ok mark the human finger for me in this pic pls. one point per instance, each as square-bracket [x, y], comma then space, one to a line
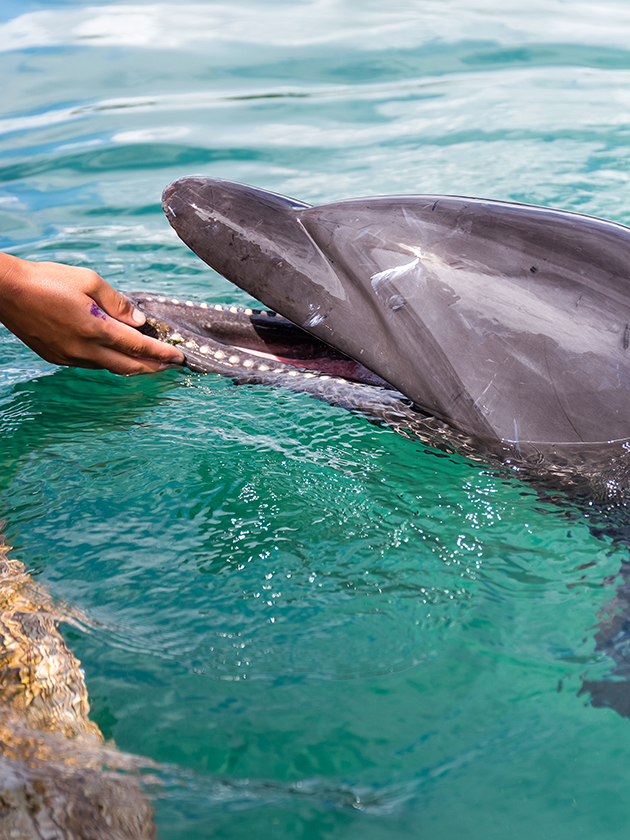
[116, 305]
[124, 365]
[130, 342]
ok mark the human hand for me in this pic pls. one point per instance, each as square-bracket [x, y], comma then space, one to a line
[71, 316]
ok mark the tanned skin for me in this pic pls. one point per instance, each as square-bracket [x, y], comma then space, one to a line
[71, 316]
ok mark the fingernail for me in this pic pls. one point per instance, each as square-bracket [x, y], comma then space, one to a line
[138, 318]
[176, 360]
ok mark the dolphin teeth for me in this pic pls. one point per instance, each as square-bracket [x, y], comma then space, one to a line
[203, 305]
[219, 354]
[218, 307]
[190, 344]
[248, 363]
[161, 300]
[204, 349]
[234, 310]
[189, 303]
[249, 311]
[263, 367]
[233, 360]
[175, 301]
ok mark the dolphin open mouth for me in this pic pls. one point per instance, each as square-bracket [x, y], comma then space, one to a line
[251, 344]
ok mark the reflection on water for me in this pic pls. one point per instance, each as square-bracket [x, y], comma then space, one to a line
[398, 26]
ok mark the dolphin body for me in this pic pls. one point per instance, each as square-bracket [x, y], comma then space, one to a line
[501, 329]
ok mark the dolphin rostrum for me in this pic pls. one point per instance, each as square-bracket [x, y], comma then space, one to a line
[505, 326]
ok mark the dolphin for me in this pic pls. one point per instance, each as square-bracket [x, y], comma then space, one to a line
[497, 329]
[500, 329]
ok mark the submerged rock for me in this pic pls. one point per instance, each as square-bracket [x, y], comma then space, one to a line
[58, 779]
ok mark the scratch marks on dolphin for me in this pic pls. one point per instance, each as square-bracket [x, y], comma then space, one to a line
[516, 438]
[388, 277]
[392, 273]
[315, 319]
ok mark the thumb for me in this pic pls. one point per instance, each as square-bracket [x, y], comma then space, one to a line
[117, 306]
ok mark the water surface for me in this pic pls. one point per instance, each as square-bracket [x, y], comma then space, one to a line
[318, 628]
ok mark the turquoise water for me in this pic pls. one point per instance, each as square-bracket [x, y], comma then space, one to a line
[319, 629]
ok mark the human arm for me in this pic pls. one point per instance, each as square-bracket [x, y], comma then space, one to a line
[71, 316]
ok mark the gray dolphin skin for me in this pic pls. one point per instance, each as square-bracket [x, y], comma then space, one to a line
[507, 324]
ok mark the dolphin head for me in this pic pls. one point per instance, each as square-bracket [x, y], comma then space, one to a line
[509, 322]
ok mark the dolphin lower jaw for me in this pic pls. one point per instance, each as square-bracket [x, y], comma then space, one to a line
[261, 347]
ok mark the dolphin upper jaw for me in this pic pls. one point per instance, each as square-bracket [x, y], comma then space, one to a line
[249, 236]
